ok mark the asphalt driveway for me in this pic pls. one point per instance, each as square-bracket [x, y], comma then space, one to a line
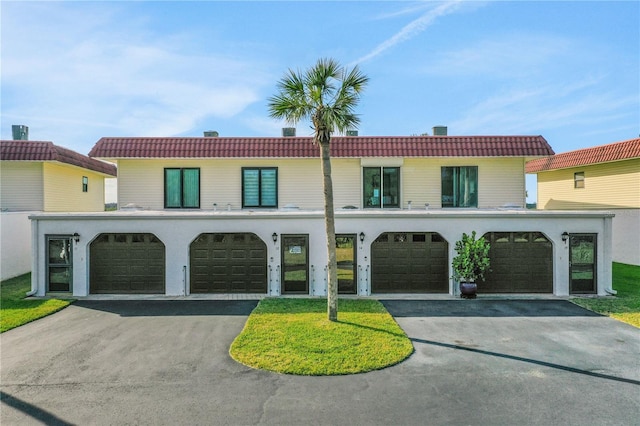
[484, 362]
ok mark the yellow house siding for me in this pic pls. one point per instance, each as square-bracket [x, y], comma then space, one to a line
[21, 185]
[63, 189]
[346, 175]
[141, 182]
[608, 185]
[500, 181]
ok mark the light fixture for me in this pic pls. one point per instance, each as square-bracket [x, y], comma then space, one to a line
[76, 237]
[362, 237]
[274, 237]
[565, 236]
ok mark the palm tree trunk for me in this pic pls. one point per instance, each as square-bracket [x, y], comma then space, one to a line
[330, 225]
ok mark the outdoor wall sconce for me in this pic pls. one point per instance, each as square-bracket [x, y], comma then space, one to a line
[565, 236]
[76, 237]
[362, 237]
[274, 237]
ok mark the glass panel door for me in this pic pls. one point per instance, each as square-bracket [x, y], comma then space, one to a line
[295, 264]
[346, 256]
[582, 264]
[59, 264]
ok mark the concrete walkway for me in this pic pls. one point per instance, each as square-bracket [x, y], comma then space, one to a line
[480, 362]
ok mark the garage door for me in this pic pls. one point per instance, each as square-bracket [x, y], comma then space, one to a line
[409, 262]
[127, 263]
[521, 262]
[228, 263]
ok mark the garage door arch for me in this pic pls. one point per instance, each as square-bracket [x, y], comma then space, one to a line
[127, 263]
[409, 262]
[228, 263]
[521, 262]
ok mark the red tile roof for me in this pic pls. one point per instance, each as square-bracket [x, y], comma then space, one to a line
[302, 147]
[47, 151]
[600, 154]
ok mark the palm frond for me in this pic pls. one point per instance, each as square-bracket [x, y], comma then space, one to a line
[327, 93]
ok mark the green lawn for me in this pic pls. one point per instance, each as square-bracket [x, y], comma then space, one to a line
[294, 336]
[16, 311]
[625, 306]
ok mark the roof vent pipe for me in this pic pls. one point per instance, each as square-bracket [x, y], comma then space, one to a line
[210, 134]
[352, 133]
[439, 130]
[288, 132]
[20, 132]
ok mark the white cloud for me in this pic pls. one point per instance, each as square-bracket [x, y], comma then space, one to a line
[413, 28]
[94, 66]
[510, 55]
[556, 105]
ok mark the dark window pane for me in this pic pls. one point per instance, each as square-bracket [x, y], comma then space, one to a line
[191, 188]
[59, 251]
[172, 187]
[269, 188]
[371, 185]
[459, 186]
[251, 187]
[391, 187]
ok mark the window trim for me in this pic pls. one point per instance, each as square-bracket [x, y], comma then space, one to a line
[182, 169]
[259, 205]
[474, 206]
[48, 265]
[578, 180]
[382, 204]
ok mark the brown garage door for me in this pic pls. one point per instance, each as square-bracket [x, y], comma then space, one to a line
[521, 262]
[228, 263]
[409, 262]
[127, 263]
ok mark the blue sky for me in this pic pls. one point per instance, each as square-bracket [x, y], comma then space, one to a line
[76, 71]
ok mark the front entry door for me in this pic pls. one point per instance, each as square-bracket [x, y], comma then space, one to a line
[582, 264]
[59, 264]
[295, 264]
[346, 257]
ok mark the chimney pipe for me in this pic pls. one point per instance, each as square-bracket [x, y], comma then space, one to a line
[352, 133]
[288, 132]
[210, 134]
[20, 132]
[439, 130]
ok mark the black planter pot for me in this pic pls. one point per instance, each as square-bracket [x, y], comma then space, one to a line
[468, 290]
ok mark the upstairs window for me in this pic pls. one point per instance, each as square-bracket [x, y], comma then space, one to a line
[381, 187]
[85, 184]
[260, 187]
[182, 188]
[460, 186]
[578, 180]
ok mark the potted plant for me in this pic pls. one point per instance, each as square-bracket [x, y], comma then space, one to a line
[470, 263]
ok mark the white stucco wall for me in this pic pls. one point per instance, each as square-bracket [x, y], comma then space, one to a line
[626, 236]
[15, 244]
[178, 229]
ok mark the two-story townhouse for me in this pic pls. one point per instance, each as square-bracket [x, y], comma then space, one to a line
[244, 215]
[604, 177]
[38, 176]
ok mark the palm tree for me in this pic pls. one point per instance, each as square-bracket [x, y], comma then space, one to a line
[327, 94]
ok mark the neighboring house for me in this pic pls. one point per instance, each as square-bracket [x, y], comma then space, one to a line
[605, 177]
[245, 215]
[39, 176]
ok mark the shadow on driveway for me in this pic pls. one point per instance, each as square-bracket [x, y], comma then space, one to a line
[485, 308]
[161, 308]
